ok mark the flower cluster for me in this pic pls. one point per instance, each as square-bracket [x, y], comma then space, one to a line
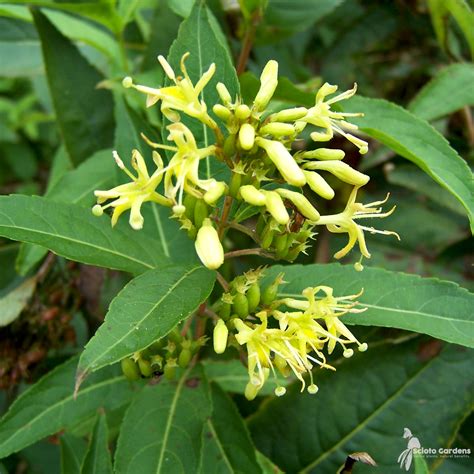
[265, 173]
[287, 335]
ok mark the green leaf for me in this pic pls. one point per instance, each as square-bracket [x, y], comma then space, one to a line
[84, 113]
[197, 35]
[420, 143]
[12, 304]
[461, 12]
[297, 14]
[74, 233]
[227, 447]
[49, 406]
[365, 406]
[98, 459]
[413, 178]
[439, 308]
[146, 309]
[162, 429]
[19, 49]
[267, 466]
[76, 187]
[73, 450]
[421, 467]
[232, 376]
[101, 11]
[450, 90]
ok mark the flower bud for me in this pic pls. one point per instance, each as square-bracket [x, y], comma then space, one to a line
[318, 184]
[289, 115]
[303, 205]
[220, 336]
[277, 129]
[215, 192]
[252, 195]
[253, 297]
[268, 84]
[242, 112]
[283, 160]
[276, 207]
[341, 170]
[222, 112]
[324, 154]
[184, 358]
[208, 246]
[223, 92]
[246, 136]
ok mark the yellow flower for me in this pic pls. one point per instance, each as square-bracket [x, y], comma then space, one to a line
[132, 195]
[322, 116]
[184, 96]
[182, 172]
[208, 246]
[345, 222]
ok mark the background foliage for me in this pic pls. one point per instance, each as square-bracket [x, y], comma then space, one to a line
[62, 111]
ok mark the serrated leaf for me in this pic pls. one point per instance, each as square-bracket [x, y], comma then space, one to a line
[197, 36]
[73, 232]
[76, 187]
[49, 406]
[450, 90]
[12, 304]
[365, 406]
[73, 450]
[146, 309]
[162, 429]
[439, 308]
[227, 447]
[97, 459]
[232, 376]
[420, 143]
[84, 113]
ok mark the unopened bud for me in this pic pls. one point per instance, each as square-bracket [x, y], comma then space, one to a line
[289, 115]
[277, 129]
[318, 184]
[302, 203]
[222, 112]
[252, 195]
[283, 160]
[324, 154]
[208, 246]
[223, 92]
[242, 112]
[341, 170]
[268, 84]
[220, 337]
[212, 195]
[246, 136]
[276, 207]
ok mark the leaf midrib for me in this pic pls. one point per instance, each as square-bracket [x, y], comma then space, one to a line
[81, 242]
[219, 445]
[62, 402]
[140, 322]
[171, 414]
[364, 422]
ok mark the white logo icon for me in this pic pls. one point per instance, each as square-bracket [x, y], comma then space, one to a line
[406, 457]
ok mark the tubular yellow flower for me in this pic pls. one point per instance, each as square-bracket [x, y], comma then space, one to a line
[283, 160]
[345, 222]
[220, 337]
[276, 207]
[341, 170]
[302, 204]
[318, 184]
[252, 195]
[322, 116]
[246, 136]
[208, 246]
[132, 195]
[184, 96]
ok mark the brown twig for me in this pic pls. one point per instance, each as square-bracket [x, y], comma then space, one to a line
[240, 253]
[225, 215]
[223, 282]
[247, 43]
